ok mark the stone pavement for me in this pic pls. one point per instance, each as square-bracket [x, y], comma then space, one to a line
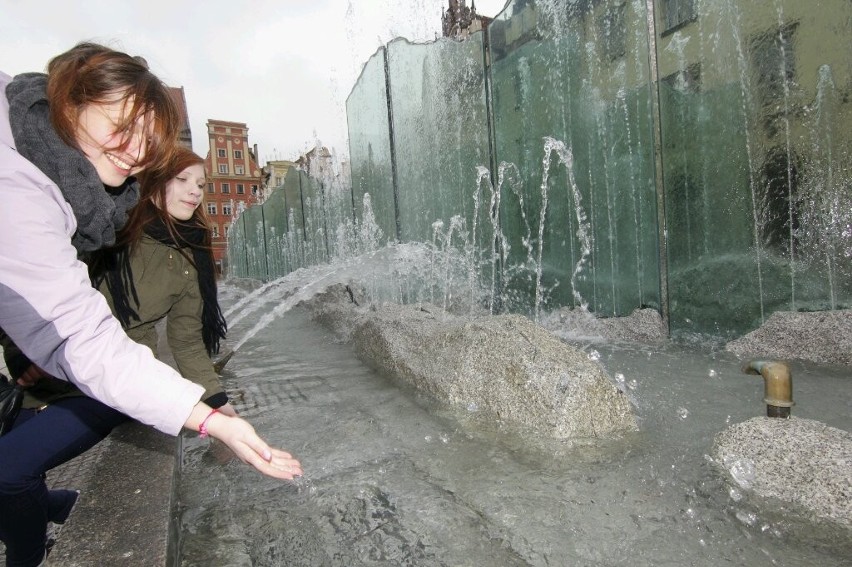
[125, 506]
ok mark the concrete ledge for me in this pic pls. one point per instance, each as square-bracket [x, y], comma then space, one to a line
[123, 517]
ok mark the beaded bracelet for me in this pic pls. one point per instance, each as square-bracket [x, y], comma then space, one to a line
[202, 429]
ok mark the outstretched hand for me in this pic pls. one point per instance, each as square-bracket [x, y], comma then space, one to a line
[241, 438]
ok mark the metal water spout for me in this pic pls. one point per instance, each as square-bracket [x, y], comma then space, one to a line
[778, 385]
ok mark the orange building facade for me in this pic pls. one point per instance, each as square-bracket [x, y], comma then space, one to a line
[233, 180]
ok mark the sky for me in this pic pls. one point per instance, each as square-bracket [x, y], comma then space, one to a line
[283, 67]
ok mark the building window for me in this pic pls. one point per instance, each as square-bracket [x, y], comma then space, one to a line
[211, 208]
[238, 154]
[677, 13]
[254, 190]
[773, 58]
[227, 230]
[221, 153]
[226, 209]
[223, 168]
[278, 181]
[226, 188]
[612, 29]
[238, 169]
[214, 229]
[241, 189]
[686, 81]
[211, 188]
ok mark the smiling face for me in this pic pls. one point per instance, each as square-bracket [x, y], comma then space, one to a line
[114, 152]
[184, 192]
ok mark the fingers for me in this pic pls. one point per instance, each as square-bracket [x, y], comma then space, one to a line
[273, 462]
[240, 436]
[277, 466]
[31, 376]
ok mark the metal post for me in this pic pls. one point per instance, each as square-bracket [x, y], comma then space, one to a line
[394, 177]
[662, 232]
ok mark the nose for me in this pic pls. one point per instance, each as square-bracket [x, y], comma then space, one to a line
[136, 146]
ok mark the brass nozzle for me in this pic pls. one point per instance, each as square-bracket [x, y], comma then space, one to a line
[778, 385]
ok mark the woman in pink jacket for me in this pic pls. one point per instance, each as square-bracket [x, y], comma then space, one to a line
[70, 143]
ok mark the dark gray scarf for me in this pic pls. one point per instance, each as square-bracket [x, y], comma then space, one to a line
[100, 213]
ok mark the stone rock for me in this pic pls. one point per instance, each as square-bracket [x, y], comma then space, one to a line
[505, 366]
[821, 336]
[643, 325]
[799, 461]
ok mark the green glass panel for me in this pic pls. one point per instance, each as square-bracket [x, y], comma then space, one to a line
[369, 145]
[275, 217]
[576, 74]
[440, 132]
[755, 153]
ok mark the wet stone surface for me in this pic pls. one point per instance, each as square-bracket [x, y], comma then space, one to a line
[823, 337]
[504, 366]
[802, 462]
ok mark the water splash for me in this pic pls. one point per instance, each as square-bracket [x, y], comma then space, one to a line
[566, 157]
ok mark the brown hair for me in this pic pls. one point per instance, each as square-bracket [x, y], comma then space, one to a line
[90, 73]
[152, 200]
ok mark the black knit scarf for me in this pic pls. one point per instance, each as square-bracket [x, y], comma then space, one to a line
[116, 271]
[99, 213]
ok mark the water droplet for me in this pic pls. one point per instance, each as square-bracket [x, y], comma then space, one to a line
[619, 377]
[632, 384]
[735, 494]
[683, 413]
[742, 470]
[594, 355]
[445, 438]
[428, 438]
[748, 518]
[472, 407]
[712, 373]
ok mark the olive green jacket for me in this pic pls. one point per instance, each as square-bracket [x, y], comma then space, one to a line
[167, 286]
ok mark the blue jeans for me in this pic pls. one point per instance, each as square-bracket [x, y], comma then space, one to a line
[38, 442]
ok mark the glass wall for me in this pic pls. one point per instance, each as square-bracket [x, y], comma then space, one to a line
[370, 144]
[755, 152]
[572, 95]
[588, 153]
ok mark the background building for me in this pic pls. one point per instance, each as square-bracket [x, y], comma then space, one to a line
[459, 21]
[274, 173]
[185, 136]
[234, 179]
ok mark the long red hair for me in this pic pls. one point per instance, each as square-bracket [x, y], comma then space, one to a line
[90, 73]
[152, 200]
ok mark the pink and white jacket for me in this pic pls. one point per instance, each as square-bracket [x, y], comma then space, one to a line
[50, 310]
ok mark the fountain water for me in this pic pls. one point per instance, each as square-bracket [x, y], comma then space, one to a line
[395, 478]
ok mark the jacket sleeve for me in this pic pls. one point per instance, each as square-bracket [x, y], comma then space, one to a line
[16, 361]
[50, 310]
[183, 329]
